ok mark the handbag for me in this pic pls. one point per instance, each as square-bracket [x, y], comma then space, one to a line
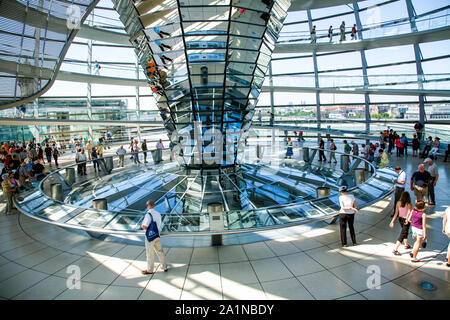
[152, 231]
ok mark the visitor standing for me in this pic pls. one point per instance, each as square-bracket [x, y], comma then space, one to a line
[121, 153]
[330, 34]
[354, 35]
[94, 157]
[321, 150]
[332, 151]
[399, 184]
[415, 145]
[289, 151]
[342, 31]
[136, 153]
[144, 149]
[355, 149]
[56, 154]
[405, 145]
[420, 180]
[347, 147]
[80, 159]
[347, 215]
[48, 154]
[152, 225]
[433, 170]
[419, 129]
[313, 35]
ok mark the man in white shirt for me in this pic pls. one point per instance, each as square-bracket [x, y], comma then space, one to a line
[399, 186]
[121, 152]
[81, 157]
[159, 147]
[155, 245]
[347, 215]
[159, 144]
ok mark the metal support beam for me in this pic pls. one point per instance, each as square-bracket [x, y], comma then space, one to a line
[316, 73]
[138, 105]
[89, 89]
[364, 68]
[418, 57]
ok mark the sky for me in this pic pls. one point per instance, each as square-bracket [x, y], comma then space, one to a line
[353, 59]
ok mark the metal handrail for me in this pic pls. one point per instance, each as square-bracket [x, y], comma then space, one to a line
[196, 233]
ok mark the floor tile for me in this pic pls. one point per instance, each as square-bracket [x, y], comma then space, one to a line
[205, 255]
[129, 252]
[132, 276]
[389, 291]
[166, 285]
[238, 291]
[87, 291]
[56, 263]
[20, 282]
[202, 282]
[258, 250]
[300, 264]
[355, 275]
[107, 271]
[120, 293]
[306, 243]
[327, 257]
[270, 269]
[10, 269]
[179, 255]
[390, 268]
[231, 254]
[46, 289]
[240, 272]
[157, 289]
[38, 257]
[325, 286]
[86, 265]
[412, 282]
[437, 268]
[282, 248]
[353, 297]
[287, 289]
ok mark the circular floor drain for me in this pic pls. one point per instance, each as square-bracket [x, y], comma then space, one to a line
[428, 286]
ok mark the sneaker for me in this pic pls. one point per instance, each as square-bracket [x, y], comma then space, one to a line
[415, 260]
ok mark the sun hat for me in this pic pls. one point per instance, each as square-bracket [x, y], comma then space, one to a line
[343, 189]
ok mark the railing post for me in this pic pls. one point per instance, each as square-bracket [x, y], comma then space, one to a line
[56, 191]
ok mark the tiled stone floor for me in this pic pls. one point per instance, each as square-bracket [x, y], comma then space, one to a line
[304, 262]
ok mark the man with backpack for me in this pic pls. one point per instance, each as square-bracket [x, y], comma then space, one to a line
[152, 226]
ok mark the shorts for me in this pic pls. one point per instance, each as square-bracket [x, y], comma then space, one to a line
[417, 232]
[420, 192]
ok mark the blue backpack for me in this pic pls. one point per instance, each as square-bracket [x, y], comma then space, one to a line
[152, 231]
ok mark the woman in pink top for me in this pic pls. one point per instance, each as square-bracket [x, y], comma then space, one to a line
[402, 208]
[418, 220]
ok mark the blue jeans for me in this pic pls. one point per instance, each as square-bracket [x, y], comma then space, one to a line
[136, 157]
